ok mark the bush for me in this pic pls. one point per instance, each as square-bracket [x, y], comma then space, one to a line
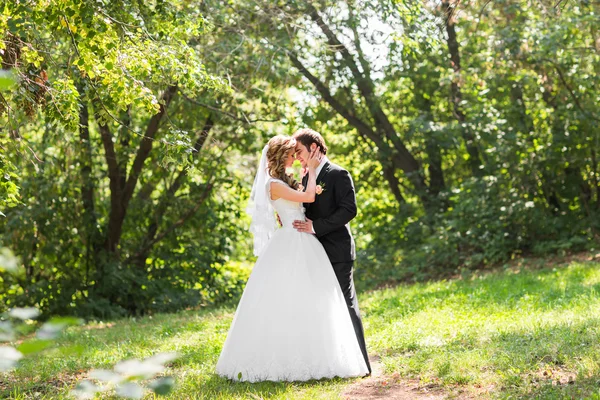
[488, 222]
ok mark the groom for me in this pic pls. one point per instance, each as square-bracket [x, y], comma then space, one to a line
[328, 218]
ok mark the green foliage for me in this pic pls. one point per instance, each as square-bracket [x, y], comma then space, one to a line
[13, 329]
[128, 378]
[489, 222]
[186, 269]
[88, 66]
[8, 188]
[501, 152]
[123, 49]
[528, 100]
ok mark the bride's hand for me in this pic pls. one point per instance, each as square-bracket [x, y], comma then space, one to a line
[314, 159]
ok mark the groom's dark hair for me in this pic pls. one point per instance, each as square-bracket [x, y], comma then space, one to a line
[307, 136]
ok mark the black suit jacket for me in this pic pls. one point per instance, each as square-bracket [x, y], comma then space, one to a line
[331, 212]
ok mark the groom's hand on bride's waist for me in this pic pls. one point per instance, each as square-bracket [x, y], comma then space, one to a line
[304, 226]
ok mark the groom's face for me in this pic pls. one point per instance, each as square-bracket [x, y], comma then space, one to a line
[302, 152]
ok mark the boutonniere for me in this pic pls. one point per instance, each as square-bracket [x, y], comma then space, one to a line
[320, 188]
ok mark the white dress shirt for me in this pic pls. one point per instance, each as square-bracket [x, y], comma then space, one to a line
[320, 167]
[318, 171]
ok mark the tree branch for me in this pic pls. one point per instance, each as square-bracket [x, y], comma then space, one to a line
[455, 92]
[335, 104]
[169, 194]
[362, 128]
[116, 206]
[124, 145]
[207, 190]
[110, 155]
[570, 90]
[361, 55]
[245, 119]
[366, 87]
[146, 145]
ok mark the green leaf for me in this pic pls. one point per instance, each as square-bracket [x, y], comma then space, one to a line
[7, 80]
[130, 390]
[66, 321]
[162, 386]
[8, 261]
[24, 313]
[34, 346]
[53, 328]
[72, 350]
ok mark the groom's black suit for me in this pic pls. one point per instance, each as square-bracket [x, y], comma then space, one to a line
[331, 212]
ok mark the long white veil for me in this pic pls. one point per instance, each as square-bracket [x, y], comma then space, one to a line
[263, 223]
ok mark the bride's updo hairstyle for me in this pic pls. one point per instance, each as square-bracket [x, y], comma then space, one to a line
[280, 148]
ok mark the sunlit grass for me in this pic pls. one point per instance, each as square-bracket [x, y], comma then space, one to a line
[196, 335]
[522, 334]
[517, 333]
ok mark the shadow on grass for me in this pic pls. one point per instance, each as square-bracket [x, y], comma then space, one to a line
[552, 390]
[548, 361]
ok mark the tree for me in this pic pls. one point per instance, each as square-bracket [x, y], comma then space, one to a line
[89, 72]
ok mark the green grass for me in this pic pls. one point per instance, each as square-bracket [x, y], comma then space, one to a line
[515, 333]
[503, 334]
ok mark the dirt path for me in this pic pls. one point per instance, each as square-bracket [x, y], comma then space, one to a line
[380, 386]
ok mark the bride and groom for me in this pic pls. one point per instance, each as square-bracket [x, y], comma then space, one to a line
[298, 318]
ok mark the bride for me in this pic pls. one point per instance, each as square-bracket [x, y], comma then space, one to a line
[292, 322]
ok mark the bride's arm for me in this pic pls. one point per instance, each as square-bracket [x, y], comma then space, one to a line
[282, 191]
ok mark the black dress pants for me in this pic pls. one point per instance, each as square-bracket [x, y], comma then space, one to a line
[344, 272]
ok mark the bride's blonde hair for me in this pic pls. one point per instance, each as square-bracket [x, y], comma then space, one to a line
[280, 148]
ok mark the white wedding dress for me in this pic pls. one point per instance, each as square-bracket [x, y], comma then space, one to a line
[292, 322]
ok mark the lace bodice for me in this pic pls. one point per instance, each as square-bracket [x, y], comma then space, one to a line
[288, 211]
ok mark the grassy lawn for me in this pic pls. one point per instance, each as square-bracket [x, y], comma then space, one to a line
[522, 332]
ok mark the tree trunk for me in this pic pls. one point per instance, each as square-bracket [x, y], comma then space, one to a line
[124, 141]
[386, 155]
[394, 183]
[383, 127]
[87, 186]
[121, 195]
[436, 173]
[432, 148]
[456, 93]
[595, 182]
[117, 213]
